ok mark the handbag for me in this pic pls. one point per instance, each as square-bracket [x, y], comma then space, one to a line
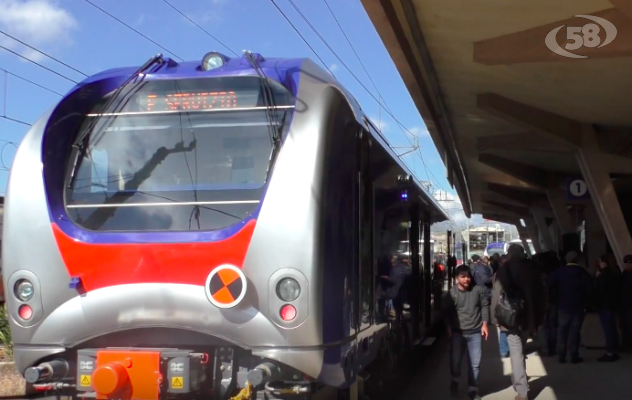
[510, 307]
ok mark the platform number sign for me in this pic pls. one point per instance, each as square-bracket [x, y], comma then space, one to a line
[577, 189]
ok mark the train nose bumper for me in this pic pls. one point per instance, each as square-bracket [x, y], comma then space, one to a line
[120, 374]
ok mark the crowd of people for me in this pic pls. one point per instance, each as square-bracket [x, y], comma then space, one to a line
[540, 297]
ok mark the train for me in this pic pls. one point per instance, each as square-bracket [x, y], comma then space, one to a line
[206, 228]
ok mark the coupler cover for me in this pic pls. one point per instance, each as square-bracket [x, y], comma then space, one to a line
[138, 373]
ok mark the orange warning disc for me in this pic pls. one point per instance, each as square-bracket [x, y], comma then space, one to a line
[226, 286]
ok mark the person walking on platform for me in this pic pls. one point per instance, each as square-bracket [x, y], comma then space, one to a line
[503, 345]
[607, 300]
[626, 305]
[573, 286]
[518, 282]
[466, 313]
[483, 276]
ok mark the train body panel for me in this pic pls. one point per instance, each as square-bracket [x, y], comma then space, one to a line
[100, 281]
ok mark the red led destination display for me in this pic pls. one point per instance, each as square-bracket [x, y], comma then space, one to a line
[190, 101]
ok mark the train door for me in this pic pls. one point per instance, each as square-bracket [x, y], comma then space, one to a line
[366, 212]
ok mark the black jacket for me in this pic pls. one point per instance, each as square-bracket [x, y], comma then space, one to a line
[607, 290]
[526, 276]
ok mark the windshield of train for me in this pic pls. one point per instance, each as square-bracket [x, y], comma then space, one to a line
[496, 247]
[173, 155]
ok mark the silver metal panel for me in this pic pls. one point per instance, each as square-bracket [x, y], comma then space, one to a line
[309, 362]
[124, 307]
[287, 231]
[28, 241]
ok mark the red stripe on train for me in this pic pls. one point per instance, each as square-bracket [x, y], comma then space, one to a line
[104, 265]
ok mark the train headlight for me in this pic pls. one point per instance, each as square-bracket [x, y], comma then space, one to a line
[211, 61]
[288, 289]
[24, 290]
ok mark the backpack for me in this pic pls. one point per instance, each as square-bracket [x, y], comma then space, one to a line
[510, 308]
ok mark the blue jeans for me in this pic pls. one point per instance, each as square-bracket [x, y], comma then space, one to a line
[503, 345]
[569, 328]
[626, 329]
[548, 331]
[473, 343]
[609, 324]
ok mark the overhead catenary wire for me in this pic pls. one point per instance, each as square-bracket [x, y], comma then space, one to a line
[43, 53]
[385, 104]
[339, 59]
[30, 81]
[302, 37]
[3, 164]
[38, 64]
[197, 25]
[19, 121]
[134, 30]
[387, 109]
[306, 20]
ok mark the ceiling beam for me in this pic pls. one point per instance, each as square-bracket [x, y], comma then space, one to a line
[487, 197]
[525, 197]
[554, 126]
[528, 46]
[533, 142]
[625, 6]
[494, 209]
[508, 180]
[533, 175]
[501, 218]
[523, 212]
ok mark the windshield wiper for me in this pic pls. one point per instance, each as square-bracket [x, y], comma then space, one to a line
[157, 58]
[80, 141]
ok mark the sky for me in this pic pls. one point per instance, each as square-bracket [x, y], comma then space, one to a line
[87, 39]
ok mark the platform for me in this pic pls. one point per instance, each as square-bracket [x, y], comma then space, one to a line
[548, 379]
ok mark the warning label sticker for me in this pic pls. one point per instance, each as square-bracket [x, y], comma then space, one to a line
[176, 382]
[85, 380]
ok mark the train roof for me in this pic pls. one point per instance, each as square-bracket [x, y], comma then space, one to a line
[281, 70]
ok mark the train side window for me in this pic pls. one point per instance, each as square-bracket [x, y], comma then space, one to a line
[366, 216]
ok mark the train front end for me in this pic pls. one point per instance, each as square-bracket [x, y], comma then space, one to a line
[140, 258]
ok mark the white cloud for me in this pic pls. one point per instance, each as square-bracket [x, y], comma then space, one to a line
[40, 23]
[333, 67]
[380, 124]
[418, 131]
[141, 20]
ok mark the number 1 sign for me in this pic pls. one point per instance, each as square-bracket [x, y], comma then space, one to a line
[576, 189]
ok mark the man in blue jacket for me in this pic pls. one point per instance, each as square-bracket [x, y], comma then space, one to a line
[573, 286]
[483, 275]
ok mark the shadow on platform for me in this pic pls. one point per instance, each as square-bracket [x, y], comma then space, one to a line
[548, 380]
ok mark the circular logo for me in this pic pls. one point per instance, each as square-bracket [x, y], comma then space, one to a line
[226, 286]
[578, 188]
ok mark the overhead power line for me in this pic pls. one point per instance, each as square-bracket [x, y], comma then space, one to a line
[339, 59]
[30, 81]
[387, 109]
[38, 64]
[19, 121]
[44, 54]
[134, 30]
[202, 29]
[302, 37]
[415, 146]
